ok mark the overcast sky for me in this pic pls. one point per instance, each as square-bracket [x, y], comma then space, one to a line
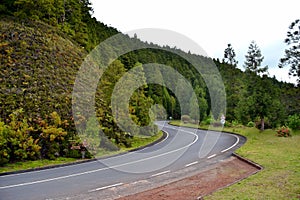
[212, 24]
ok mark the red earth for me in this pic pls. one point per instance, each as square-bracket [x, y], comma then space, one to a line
[217, 176]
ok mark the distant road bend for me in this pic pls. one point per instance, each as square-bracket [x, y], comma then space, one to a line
[182, 148]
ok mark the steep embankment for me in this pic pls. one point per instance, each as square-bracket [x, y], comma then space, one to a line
[38, 66]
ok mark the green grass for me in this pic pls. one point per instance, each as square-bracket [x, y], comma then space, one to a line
[143, 141]
[34, 164]
[136, 143]
[280, 157]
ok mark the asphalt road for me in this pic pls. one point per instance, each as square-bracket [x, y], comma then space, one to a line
[183, 147]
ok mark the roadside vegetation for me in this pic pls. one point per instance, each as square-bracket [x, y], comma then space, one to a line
[137, 142]
[43, 44]
[278, 155]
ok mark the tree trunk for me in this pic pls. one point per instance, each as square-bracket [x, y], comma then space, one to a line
[262, 123]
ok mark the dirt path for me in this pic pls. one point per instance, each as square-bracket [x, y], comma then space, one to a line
[217, 176]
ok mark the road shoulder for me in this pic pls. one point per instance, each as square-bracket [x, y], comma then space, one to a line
[216, 176]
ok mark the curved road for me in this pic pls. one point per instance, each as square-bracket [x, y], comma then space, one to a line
[182, 148]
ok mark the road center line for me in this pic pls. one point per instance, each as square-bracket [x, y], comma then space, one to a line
[209, 157]
[106, 187]
[160, 173]
[190, 164]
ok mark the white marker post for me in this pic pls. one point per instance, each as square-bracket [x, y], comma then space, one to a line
[222, 120]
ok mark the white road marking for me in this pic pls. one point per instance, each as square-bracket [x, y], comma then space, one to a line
[209, 157]
[161, 173]
[190, 164]
[106, 187]
[163, 139]
[237, 141]
[18, 174]
[101, 169]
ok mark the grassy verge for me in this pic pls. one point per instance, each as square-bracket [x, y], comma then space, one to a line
[280, 157]
[34, 164]
[136, 143]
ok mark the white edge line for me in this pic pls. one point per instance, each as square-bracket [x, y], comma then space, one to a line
[106, 187]
[237, 141]
[164, 138]
[211, 156]
[190, 164]
[97, 160]
[160, 173]
[101, 169]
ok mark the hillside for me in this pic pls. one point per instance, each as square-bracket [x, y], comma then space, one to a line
[41, 55]
[38, 69]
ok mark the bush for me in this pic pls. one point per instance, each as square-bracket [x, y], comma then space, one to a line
[185, 118]
[51, 141]
[149, 130]
[105, 143]
[4, 150]
[284, 132]
[74, 153]
[294, 121]
[235, 122]
[217, 124]
[19, 140]
[227, 124]
[207, 121]
[251, 124]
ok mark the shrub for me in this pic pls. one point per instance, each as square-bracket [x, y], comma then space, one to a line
[294, 121]
[185, 118]
[227, 124]
[123, 139]
[284, 132]
[22, 145]
[217, 124]
[207, 121]
[77, 147]
[251, 124]
[51, 140]
[234, 123]
[4, 150]
[74, 153]
[149, 130]
[105, 143]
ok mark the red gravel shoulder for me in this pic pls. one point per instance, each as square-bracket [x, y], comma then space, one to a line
[217, 176]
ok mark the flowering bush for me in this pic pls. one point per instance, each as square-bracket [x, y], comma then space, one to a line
[284, 132]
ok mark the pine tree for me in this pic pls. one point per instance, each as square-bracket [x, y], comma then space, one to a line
[254, 59]
[229, 56]
[292, 54]
[256, 101]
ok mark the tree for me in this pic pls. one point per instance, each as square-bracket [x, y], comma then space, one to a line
[194, 110]
[229, 56]
[254, 60]
[292, 53]
[256, 101]
[260, 100]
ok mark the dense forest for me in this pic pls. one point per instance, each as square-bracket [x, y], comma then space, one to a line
[44, 43]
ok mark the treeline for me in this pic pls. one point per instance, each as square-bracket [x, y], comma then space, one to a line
[44, 43]
[251, 97]
[72, 17]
